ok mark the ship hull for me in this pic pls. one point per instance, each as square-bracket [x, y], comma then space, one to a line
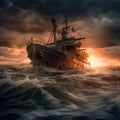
[41, 55]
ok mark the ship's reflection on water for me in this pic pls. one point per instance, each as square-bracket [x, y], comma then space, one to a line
[49, 94]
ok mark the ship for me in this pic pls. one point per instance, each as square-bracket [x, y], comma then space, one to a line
[63, 52]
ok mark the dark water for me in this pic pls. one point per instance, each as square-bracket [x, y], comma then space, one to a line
[59, 95]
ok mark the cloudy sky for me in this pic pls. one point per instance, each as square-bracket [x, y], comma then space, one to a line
[97, 20]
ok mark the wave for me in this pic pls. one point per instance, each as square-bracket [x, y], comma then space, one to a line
[49, 94]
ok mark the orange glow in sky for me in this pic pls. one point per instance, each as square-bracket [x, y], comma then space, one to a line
[14, 57]
[95, 61]
[99, 59]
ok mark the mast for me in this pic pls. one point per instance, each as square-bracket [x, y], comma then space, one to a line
[64, 32]
[54, 30]
[66, 24]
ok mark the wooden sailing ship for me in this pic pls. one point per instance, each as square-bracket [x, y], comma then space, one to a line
[63, 53]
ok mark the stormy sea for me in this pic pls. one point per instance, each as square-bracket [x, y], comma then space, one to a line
[49, 94]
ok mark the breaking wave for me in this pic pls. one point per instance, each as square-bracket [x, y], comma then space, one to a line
[48, 94]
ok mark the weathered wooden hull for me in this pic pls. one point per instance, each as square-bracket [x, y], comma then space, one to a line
[45, 56]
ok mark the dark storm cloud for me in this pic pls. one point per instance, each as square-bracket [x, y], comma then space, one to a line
[113, 51]
[11, 39]
[106, 36]
[111, 35]
[72, 8]
[79, 8]
[33, 16]
[22, 21]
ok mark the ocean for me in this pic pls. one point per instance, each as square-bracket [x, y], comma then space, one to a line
[49, 94]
